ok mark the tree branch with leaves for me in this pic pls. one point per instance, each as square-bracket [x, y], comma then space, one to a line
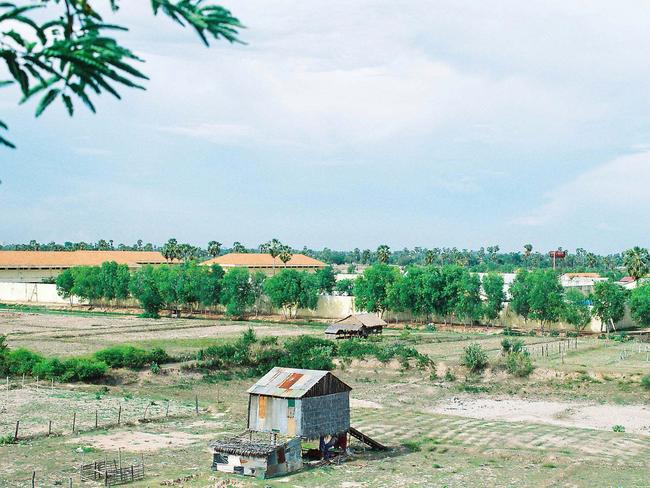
[71, 56]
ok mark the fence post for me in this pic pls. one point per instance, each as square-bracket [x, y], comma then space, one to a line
[196, 404]
[74, 421]
[119, 415]
[49, 428]
[33, 479]
[16, 432]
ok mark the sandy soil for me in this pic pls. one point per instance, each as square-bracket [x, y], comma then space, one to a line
[357, 403]
[141, 441]
[635, 418]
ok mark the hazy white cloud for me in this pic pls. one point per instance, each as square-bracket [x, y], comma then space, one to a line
[619, 186]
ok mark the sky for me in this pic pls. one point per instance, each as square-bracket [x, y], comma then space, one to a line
[353, 124]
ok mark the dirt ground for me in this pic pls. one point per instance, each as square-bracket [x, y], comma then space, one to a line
[450, 429]
[635, 418]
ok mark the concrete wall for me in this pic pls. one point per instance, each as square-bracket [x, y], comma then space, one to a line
[27, 275]
[35, 293]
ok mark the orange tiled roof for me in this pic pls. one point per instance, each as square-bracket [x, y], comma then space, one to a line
[68, 259]
[263, 260]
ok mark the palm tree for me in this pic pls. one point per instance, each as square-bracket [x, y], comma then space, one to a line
[528, 249]
[214, 248]
[637, 262]
[170, 249]
[383, 253]
[285, 255]
[238, 247]
[429, 257]
[274, 248]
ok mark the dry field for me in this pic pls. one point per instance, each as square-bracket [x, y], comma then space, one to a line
[551, 429]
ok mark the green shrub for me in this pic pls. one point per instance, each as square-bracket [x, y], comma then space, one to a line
[474, 358]
[618, 428]
[50, 369]
[645, 382]
[22, 361]
[155, 369]
[131, 357]
[519, 364]
[449, 375]
[356, 348]
[81, 369]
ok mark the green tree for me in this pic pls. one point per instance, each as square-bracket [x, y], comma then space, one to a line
[170, 250]
[494, 295]
[238, 247]
[236, 292]
[87, 283]
[344, 287]
[640, 305]
[372, 287]
[326, 280]
[144, 288]
[210, 287]
[383, 253]
[274, 247]
[545, 296]
[637, 262]
[65, 284]
[257, 287]
[214, 248]
[290, 290]
[468, 305]
[285, 255]
[608, 303]
[61, 49]
[520, 294]
[576, 310]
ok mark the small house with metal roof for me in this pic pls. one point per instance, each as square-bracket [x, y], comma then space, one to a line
[357, 325]
[299, 402]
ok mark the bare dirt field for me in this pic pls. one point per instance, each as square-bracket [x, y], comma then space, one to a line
[635, 418]
[553, 428]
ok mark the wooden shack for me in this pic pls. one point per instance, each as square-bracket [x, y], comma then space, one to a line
[357, 325]
[259, 459]
[299, 402]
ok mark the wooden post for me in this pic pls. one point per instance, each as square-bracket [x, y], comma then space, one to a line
[33, 479]
[196, 404]
[49, 428]
[74, 421]
[119, 415]
[16, 432]
[69, 482]
[119, 454]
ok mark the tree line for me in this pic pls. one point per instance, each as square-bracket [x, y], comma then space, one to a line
[485, 259]
[453, 293]
[189, 286]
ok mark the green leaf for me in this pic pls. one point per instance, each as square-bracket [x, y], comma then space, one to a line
[46, 100]
[67, 101]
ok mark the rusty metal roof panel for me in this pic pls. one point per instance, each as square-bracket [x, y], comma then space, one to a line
[287, 382]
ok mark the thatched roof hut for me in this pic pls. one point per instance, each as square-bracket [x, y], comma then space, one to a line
[357, 325]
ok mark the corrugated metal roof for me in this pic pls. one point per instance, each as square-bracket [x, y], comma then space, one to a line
[287, 382]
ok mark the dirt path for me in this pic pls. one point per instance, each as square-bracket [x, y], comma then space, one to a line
[635, 418]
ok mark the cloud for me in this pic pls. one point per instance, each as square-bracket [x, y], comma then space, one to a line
[618, 187]
[216, 133]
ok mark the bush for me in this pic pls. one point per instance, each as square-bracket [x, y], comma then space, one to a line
[50, 369]
[449, 375]
[131, 357]
[474, 358]
[618, 428]
[80, 369]
[356, 348]
[519, 364]
[645, 382]
[22, 361]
